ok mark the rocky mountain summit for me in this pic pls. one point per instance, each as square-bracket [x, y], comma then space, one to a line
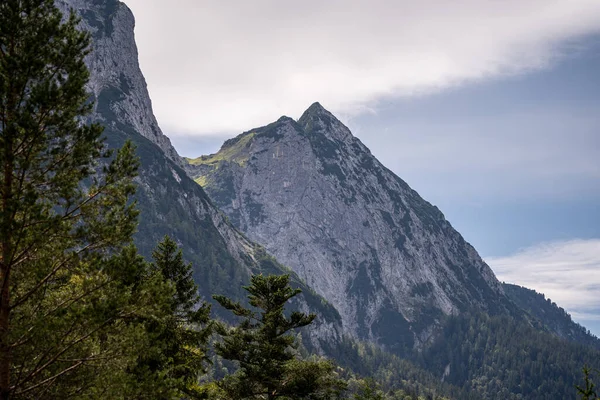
[317, 199]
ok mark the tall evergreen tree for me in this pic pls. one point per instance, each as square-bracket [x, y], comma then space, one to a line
[168, 261]
[264, 347]
[176, 354]
[70, 283]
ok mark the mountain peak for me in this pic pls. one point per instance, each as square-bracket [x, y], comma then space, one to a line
[314, 111]
[316, 119]
[284, 118]
[316, 108]
[359, 235]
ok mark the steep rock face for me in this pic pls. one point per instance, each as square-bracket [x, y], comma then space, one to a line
[170, 202]
[318, 200]
[116, 77]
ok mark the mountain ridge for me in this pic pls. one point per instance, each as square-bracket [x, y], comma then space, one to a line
[552, 318]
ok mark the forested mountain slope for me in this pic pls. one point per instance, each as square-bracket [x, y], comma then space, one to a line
[552, 317]
[500, 358]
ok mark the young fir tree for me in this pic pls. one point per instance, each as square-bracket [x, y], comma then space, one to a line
[589, 391]
[71, 285]
[176, 354]
[264, 347]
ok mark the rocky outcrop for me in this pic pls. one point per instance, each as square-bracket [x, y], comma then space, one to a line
[115, 75]
[317, 199]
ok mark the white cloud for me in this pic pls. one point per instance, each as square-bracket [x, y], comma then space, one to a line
[216, 66]
[568, 272]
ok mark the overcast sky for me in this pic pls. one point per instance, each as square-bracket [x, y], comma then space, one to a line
[489, 109]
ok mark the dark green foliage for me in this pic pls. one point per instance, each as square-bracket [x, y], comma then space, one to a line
[269, 131]
[504, 358]
[268, 265]
[67, 271]
[313, 124]
[176, 354]
[79, 307]
[231, 142]
[368, 390]
[334, 169]
[363, 287]
[394, 330]
[553, 318]
[225, 176]
[396, 377]
[178, 207]
[333, 148]
[265, 348]
[327, 151]
[164, 210]
[168, 260]
[312, 378]
[272, 130]
[169, 207]
[588, 391]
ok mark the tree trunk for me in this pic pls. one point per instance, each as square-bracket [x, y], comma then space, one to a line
[5, 359]
[5, 263]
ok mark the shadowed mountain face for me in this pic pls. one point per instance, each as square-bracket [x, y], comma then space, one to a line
[169, 200]
[317, 199]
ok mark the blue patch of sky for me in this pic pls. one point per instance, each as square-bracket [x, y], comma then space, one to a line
[558, 104]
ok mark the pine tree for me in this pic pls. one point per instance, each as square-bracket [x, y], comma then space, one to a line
[176, 354]
[168, 260]
[70, 282]
[264, 347]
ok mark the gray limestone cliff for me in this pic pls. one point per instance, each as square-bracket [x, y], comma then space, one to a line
[317, 199]
[115, 74]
